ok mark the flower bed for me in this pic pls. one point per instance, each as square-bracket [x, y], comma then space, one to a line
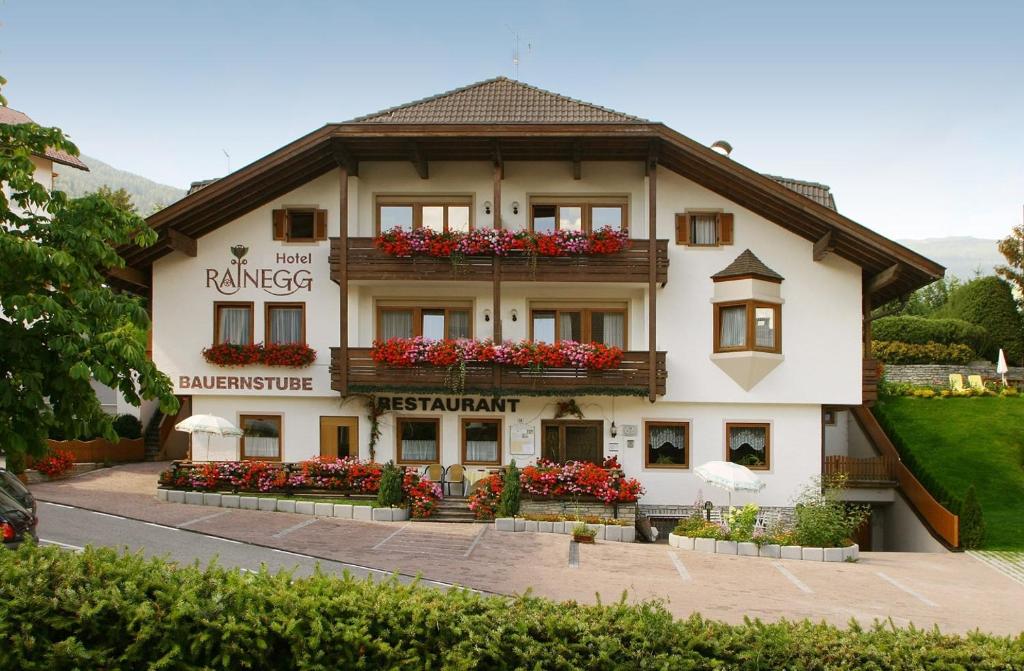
[572, 479]
[772, 550]
[483, 501]
[408, 352]
[57, 462]
[490, 242]
[291, 355]
[613, 532]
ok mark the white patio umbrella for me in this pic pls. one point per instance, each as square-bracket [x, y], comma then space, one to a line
[729, 476]
[211, 425]
[1001, 367]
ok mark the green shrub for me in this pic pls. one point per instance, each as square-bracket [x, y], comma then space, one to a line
[989, 302]
[741, 522]
[390, 492]
[15, 462]
[972, 525]
[99, 610]
[822, 520]
[128, 426]
[508, 502]
[911, 353]
[923, 330]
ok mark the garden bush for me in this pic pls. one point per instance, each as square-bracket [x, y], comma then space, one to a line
[390, 492]
[972, 525]
[128, 426]
[923, 330]
[912, 353]
[508, 500]
[822, 520]
[989, 302]
[101, 610]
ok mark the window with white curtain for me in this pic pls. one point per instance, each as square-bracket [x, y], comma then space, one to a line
[233, 323]
[750, 325]
[261, 439]
[418, 440]
[732, 333]
[581, 325]
[748, 444]
[586, 217]
[704, 229]
[433, 323]
[481, 439]
[286, 323]
[667, 445]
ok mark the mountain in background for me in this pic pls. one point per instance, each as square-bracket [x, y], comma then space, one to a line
[147, 195]
[963, 256]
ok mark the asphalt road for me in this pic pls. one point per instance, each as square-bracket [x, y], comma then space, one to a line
[74, 528]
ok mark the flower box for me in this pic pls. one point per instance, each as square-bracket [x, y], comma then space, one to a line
[289, 355]
[491, 242]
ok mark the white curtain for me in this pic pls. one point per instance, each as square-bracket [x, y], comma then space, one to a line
[673, 435]
[262, 447]
[704, 229]
[614, 329]
[568, 326]
[458, 324]
[755, 437]
[419, 450]
[396, 324]
[235, 325]
[733, 327]
[285, 325]
[481, 450]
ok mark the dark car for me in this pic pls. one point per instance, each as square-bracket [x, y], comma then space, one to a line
[12, 486]
[16, 523]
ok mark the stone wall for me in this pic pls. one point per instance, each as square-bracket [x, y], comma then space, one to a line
[620, 511]
[768, 513]
[938, 374]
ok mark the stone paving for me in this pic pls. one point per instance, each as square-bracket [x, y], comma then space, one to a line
[953, 591]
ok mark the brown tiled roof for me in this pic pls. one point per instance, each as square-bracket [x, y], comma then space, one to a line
[819, 193]
[747, 264]
[199, 185]
[13, 117]
[498, 100]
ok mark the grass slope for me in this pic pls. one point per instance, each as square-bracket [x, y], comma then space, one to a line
[957, 442]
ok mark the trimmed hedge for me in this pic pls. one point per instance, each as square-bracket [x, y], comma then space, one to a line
[923, 330]
[60, 610]
[989, 302]
[911, 353]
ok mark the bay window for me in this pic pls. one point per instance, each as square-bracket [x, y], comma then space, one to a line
[748, 325]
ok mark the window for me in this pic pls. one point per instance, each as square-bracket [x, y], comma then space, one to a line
[418, 440]
[548, 217]
[434, 323]
[748, 444]
[261, 439]
[572, 441]
[704, 229]
[481, 441]
[444, 215]
[748, 325]
[300, 224]
[285, 323]
[667, 445]
[607, 326]
[232, 323]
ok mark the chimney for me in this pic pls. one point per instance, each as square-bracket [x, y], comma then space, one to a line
[722, 147]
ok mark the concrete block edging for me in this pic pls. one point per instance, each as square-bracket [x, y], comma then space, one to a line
[247, 501]
[612, 533]
[795, 552]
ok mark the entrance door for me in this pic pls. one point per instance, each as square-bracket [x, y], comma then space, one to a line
[339, 437]
[572, 441]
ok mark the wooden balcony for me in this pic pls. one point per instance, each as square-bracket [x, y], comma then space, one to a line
[871, 379]
[863, 472]
[366, 262]
[629, 379]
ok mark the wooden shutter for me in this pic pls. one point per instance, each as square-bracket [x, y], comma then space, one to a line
[725, 228]
[682, 229]
[280, 219]
[321, 225]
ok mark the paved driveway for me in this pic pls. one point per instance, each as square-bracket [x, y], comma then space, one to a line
[957, 592]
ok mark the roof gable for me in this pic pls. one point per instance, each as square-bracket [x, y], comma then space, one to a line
[13, 117]
[819, 193]
[498, 100]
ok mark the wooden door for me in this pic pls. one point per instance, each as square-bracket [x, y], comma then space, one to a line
[572, 441]
[339, 437]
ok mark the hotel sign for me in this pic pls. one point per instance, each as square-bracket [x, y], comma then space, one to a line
[268, 383]
[450, 404]
[283, 280]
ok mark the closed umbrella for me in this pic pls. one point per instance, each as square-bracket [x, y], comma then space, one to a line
[729, 476]
[210, 425]
[1001, 367]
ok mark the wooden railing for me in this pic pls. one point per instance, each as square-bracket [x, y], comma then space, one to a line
[629, 378]
[943, 523]
[366, 262]
[863, 472]
[872, 376]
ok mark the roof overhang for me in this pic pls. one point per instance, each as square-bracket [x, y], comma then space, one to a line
[349, 144]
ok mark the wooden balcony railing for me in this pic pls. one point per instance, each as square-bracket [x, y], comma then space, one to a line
[366, 262]
[863, 472]
[630, 378]
[872, 377]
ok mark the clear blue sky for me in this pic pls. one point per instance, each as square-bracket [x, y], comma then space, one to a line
[912, 111]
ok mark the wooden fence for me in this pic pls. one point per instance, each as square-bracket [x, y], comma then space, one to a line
[863, 472]
[101, 449]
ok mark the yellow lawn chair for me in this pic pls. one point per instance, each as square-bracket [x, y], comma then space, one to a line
[956, 381]
[435, 472]
[976, 383]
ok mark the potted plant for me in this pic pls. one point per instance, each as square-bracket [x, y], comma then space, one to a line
[582, 533]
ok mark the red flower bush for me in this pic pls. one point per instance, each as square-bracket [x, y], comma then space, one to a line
[228, 354]
[580, 478]
[290, 355]
[408, 352]
[490, 242]
[57, 462]
[484, 499]
[423, 496]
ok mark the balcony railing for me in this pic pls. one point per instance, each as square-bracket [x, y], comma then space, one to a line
[630, 378]
[863, 472]
[366, 262]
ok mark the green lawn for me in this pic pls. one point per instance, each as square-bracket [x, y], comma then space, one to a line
[957, 442]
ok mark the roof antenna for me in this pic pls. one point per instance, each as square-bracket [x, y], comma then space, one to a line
[225, 152]
[515, 51]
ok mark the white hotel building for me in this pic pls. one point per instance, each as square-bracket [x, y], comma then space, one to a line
[740, 304]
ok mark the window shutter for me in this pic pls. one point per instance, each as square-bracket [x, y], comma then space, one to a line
[682, 229]
[725, 228]
[280, 219]
[321, 225]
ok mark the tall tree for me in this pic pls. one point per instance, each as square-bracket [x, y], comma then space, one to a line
[1012, 249]
[118, 197]
[61, 324]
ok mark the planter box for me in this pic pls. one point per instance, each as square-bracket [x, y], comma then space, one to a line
[746, 549]
[194, 498]
[229, 501]
[285, 506]
[583, 539]
[813, 554]
[546, 527]
[725, 547]
[343, 510]
[268, 504]
[248, 503]
[305, 507]
[323, 509]
[211, 500]
[792, 552]
[770, 550]
[704, 544]
[505, 524]
[613, 532]
[531, 525]
[834, 554]
[161, 495]
[176, 496]
[362, 513]
[628, 534]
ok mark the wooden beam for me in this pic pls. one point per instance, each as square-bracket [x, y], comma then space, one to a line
[342, 368]
[577, 161]
[823, 247]
[180, 242]
[344, 158]
[499, 162]
[652, 262]
[883, 279]
[131, 276]
[496, 278]
[418, 162]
